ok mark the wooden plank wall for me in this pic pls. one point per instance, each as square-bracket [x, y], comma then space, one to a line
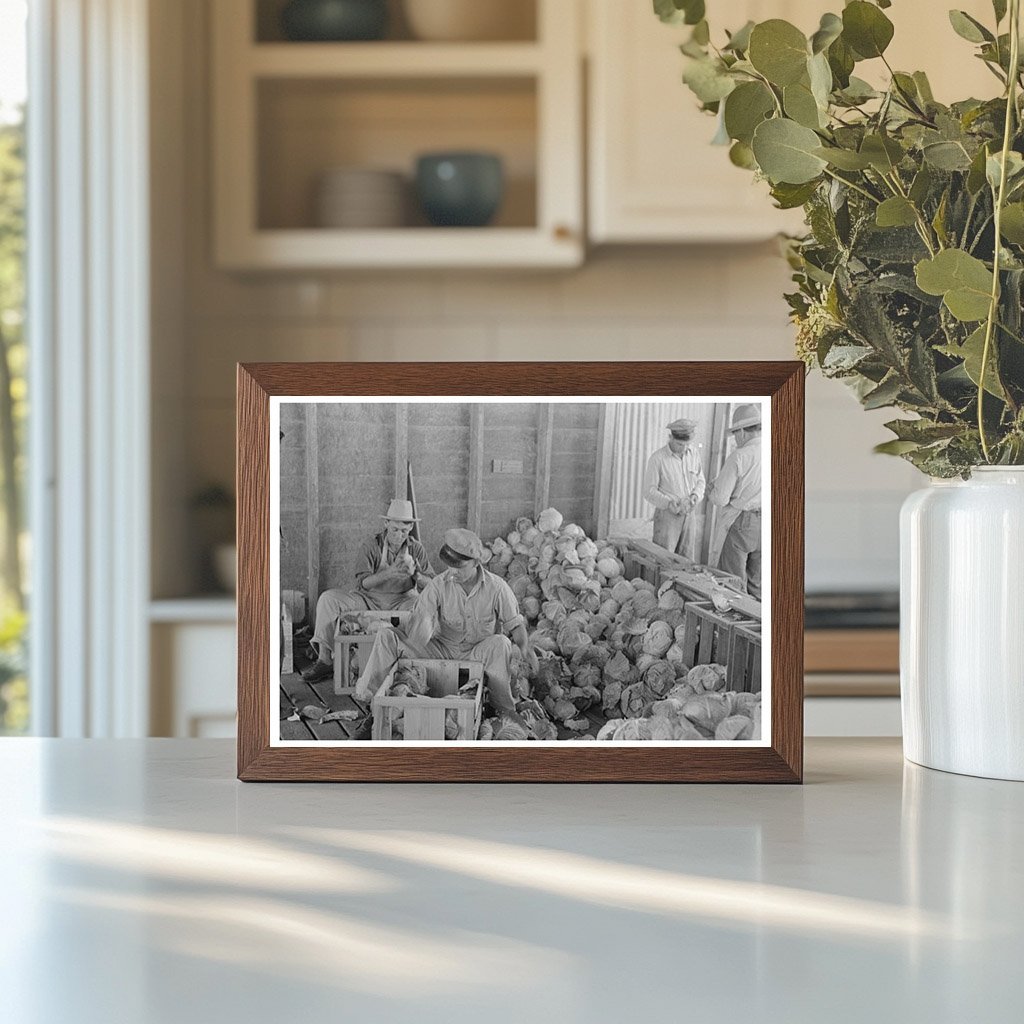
[332, 500]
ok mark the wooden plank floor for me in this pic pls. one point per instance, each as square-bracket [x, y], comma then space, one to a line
[296, 694]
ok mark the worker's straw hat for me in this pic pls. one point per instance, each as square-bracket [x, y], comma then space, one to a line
[745, 416]
[400, 511]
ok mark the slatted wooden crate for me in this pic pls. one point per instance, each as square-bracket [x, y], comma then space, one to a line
[698, 590]
[423, 718]
[649, 561]
[363, 643]
[707, 634]
[745, 658]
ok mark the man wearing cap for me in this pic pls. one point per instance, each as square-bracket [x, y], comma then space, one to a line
[389, 567]
[738, 487]
[674, 484]
[466, 614]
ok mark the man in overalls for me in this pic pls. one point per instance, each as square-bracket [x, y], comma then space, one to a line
[738, 486]
[391, 565]
[464, 614]
[674, 484]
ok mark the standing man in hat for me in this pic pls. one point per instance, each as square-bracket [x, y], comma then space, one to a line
[674, 484]
[738, 486]
[464, 614]
[390, 566]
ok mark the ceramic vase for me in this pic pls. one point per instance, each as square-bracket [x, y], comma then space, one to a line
[962, 624]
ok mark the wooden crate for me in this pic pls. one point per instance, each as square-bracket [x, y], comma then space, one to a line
[424, 717]
[707, 634]
[643, 566]
[363, 643]
[745, 658]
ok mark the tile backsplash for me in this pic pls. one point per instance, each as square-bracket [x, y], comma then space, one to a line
[721, 302]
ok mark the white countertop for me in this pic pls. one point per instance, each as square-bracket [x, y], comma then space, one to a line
[142, 884]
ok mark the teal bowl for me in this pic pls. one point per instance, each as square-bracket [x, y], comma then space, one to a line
[334, 21]
[460, 190]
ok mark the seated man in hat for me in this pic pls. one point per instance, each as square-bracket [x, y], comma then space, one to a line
[390, 566]
[674, 484]
[737, 488]
[466, 614]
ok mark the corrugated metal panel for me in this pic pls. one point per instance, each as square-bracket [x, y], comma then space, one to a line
[639, 431]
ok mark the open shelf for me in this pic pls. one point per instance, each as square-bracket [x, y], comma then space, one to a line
[287, 113]
[520, 17]
[393, 60]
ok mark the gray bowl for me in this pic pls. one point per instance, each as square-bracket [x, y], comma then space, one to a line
[461, 190]
[334, 20]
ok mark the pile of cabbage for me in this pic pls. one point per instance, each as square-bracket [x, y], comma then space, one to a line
[604, 642]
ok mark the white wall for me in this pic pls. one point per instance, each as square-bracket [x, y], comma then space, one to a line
[655, 303]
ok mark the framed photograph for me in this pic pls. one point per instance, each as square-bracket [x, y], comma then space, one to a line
[549, 572]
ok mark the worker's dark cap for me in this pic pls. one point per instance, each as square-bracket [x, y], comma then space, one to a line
[461, 547]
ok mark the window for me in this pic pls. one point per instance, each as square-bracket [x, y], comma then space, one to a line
[14, 704]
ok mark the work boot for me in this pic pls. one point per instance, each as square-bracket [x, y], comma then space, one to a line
[317, 672]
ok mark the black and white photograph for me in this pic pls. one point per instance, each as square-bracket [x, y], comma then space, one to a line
[508, 570]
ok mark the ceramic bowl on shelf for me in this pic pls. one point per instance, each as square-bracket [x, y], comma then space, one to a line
[460, 189]
[469, 20]
[331, 21]
[361, 198]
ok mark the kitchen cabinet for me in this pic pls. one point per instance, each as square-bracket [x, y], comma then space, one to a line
[287, 113]
[653, 175]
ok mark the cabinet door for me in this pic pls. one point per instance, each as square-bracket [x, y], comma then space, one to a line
[654, 175]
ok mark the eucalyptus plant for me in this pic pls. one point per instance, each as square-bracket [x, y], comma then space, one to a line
[910, 278]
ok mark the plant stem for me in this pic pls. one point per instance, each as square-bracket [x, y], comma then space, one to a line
[993, 309]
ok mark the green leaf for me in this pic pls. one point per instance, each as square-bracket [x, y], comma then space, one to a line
[921, 185]
[789, 197]
[946, 156]
[800, 105]
[844, 159]
[896, 212]
[742, 155]
[924, 88]
[971, 352]
[778, 50]
[1014, 169]
[923, 431]
[1012, 224]
[830, 28]
[820, 76]
[739, 41]
[785, 152]
[963, 281]
[707, 80]
[968, 28]
[858, 91]
[883, 153]
[976, 174]
[842, 61]
[895, 447]
[745, 108]
[676, 12]
[885, 394]
[866, 29]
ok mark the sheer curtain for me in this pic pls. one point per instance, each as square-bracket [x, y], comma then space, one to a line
[88, 300]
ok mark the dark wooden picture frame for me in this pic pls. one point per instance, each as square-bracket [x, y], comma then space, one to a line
[780, 761]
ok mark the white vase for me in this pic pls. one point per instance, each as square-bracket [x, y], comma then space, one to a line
[962, 624]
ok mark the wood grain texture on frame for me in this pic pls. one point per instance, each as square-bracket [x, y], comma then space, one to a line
[783, 382]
